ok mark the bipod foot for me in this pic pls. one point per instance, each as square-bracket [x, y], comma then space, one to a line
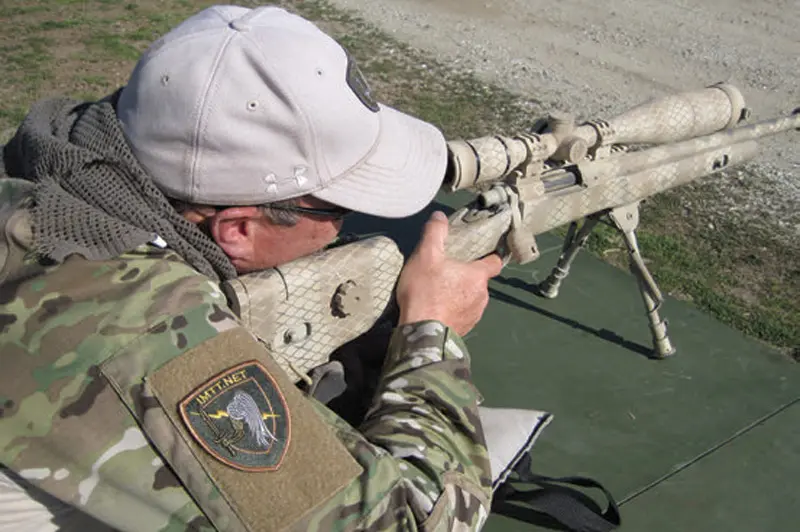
[626, 219]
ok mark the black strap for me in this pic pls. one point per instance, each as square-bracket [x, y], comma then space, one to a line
[555, 504]
[327, 381]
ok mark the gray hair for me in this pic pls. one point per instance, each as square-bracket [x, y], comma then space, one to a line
[281, 216]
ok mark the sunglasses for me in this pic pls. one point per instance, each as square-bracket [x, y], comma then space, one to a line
[337, 213]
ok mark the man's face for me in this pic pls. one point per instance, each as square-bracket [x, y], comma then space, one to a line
[254, 242]
[278, 244]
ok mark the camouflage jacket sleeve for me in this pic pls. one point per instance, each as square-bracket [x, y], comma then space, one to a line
[421, 444]
[78, 340]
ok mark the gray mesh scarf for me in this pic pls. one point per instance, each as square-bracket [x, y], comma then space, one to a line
[92, 197]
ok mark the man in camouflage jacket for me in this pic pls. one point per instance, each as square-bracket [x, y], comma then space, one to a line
[131, 396]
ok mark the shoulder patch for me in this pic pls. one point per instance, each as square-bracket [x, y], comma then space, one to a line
[225, 449]
[240, 417]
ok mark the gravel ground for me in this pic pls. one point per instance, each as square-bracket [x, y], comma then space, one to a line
[597, 58]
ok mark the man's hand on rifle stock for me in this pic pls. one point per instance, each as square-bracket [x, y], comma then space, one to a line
[435, 287]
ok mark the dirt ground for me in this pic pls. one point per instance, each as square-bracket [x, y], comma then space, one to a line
[597, 58]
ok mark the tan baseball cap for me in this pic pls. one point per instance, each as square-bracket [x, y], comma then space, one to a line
[240, 106]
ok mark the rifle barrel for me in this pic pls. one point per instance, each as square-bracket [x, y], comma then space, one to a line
[638, 161]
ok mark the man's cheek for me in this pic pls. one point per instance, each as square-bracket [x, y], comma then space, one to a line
[326, 234]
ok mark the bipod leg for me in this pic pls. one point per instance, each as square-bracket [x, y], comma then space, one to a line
[573, 242]
[626, 219]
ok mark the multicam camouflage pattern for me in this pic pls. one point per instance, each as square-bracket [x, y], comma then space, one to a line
[67, 430]
[425, 415]
[61, 426]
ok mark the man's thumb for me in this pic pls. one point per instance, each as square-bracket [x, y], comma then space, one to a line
[492, 264]
[436, 230]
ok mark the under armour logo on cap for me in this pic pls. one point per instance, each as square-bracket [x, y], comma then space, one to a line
[300, 175]
[272, 185]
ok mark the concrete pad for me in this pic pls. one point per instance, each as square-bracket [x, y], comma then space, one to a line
[748, 484]
[621, 417]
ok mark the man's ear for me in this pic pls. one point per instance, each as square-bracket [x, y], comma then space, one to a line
[234, 230]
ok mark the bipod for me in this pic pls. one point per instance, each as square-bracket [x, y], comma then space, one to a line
[625, 220]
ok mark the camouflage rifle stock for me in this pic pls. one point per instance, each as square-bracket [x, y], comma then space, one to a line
[560, 173]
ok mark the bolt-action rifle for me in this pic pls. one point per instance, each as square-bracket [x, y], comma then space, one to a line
[559, 173]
